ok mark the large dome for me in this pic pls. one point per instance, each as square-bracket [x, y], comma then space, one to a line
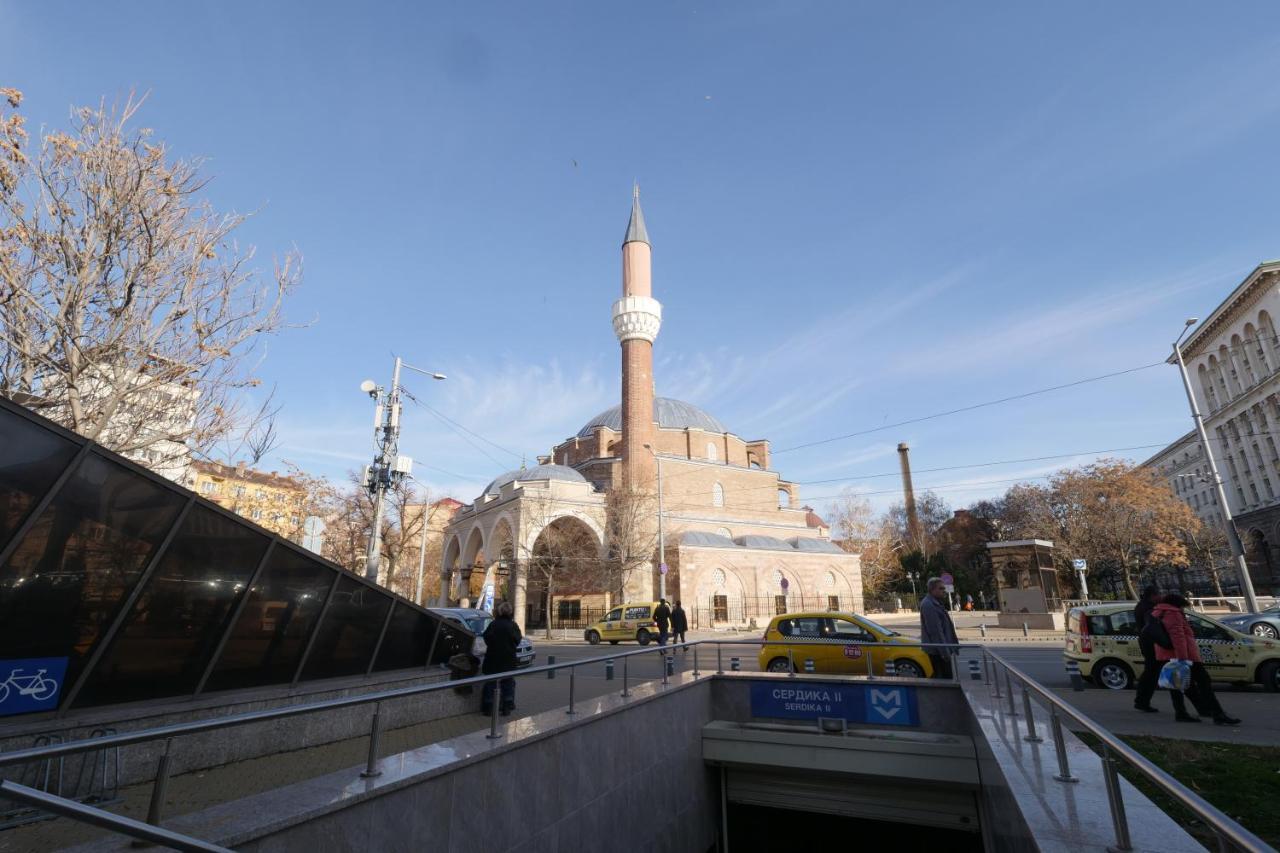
[670, 414]
[537, 472]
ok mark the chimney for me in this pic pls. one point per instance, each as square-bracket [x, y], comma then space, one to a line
[909, 496]
[240, 467]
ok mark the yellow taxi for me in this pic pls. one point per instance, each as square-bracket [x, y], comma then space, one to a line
[836, 643]
[1103, 640]
[633, 621]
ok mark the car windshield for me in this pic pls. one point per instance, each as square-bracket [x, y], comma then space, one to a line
[878, 627]
[477, 624]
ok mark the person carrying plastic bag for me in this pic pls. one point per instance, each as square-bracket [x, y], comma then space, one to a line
[1182, 648]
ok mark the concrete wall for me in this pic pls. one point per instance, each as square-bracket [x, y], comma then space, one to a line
[198, 751]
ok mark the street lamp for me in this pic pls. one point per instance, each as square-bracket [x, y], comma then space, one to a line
[1233, 537]
[662, 543]
[911, 576]
[388, 466]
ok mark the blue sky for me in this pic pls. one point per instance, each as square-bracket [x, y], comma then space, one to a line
[860, 213]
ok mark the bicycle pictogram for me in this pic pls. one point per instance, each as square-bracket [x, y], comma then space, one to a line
[37, 686]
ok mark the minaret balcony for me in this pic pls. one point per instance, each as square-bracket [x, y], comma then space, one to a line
[637, 318]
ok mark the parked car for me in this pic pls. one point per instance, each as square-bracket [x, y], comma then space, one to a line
[843, 637]
[1265, 623]
[476, 621]
[632, 621]
[1103, 640]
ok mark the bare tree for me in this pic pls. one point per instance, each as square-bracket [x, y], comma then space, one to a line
[858, 529]
[128, 310]
[348, 515]
[631, 535]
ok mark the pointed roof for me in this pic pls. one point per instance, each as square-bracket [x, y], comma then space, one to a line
[636, 232]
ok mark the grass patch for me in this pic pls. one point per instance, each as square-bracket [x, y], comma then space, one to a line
[1241, 780]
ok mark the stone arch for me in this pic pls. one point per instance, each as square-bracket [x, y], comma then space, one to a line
[710, 584]
[784, 497]
[1267, 334]
[841, 588]
[1219, 379]
[1229, 369]
[772, 581]
[449, 568]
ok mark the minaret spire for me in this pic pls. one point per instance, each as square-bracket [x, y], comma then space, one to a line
[636, 232]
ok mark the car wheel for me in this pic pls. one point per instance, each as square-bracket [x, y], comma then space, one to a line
[642, 637]
[908, 668]
[593, 637]
[1262, 629]
[1269, 675]
[779, 665]
[1113, 674]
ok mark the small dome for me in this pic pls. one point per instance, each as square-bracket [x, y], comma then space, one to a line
[669, 414]
[765, 543]
[702, 539]
[537, 472]
[816, 546]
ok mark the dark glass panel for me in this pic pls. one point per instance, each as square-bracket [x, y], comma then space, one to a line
[268, 640]
[407, 641]
[348, 632]
[449, 641]
[166, 640]
[65, 581]
[31, 458]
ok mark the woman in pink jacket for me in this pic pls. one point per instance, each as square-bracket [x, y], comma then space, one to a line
[1200, 691]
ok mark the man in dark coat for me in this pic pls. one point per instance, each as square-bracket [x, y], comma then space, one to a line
[1150, 664]
[936, 627]
[662, 615]
[501, 639]
[679, 625]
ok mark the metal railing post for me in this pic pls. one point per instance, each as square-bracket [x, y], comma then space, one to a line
[719, 661]
[1031, 735]
[791, 663]
[493, 710]
[695, 662]
[666, 669]
[870, 674]
[572, 680]
[955, 665]
[155, 809]
[1008, 686]
[1060, 747]
[375, 736]
[625, 676]
[1115, 798]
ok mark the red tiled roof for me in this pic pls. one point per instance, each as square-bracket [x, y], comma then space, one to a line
[245, 475]
[812, 519]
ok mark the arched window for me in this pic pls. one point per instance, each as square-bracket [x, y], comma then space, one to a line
[717, 495]
[724, 531]
[1267, 334]
[1241, 351]
[1206, 388]
[1229, 368]
[1257, 346]
[1215, 371]
[711, 451]
[784, 497]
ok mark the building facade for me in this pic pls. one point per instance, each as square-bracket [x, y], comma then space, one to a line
[720, 529]
[270, 500]
[1233, 359]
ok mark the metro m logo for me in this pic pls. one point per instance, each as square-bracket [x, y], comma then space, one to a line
[889, 705]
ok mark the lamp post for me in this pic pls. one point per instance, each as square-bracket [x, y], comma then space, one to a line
[388, 466]
[662, 543]
[1233, 537]
[911, 576]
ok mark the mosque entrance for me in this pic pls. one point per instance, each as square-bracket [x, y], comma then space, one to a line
[566, 563]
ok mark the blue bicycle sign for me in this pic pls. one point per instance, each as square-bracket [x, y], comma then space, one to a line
[30, 684]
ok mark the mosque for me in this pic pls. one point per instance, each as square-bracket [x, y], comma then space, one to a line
[719, 528]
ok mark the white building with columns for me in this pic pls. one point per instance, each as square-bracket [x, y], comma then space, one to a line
[1233, 358]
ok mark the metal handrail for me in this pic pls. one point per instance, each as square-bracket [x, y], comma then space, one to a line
[248, 717]
[106, 820]
[1224, 826]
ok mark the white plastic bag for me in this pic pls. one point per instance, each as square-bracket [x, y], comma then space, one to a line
[1176, 675]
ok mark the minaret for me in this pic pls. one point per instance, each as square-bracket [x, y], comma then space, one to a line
[636, 319]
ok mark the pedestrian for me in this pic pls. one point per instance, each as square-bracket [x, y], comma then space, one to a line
[1200, 692]
[679, 625]
[662, 615]
[1150, 663]
[936, 627]
[501, 638]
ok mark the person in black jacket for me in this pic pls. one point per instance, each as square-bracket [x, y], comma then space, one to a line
[662, 615]
[679, 625]
[501, 639]
[1150, 665]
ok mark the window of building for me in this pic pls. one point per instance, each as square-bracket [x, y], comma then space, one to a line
[833, 602]
[711, 451]
[724, 531]
[717, 495]
[1253, 488]
[293, 519]
[569, 609]
[1240, 494]
[260, 494]
[256, 514]
[784, 498]
[1266, 485]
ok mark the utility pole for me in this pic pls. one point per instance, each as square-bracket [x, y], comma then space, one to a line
[388, 466]
[1233, 537]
